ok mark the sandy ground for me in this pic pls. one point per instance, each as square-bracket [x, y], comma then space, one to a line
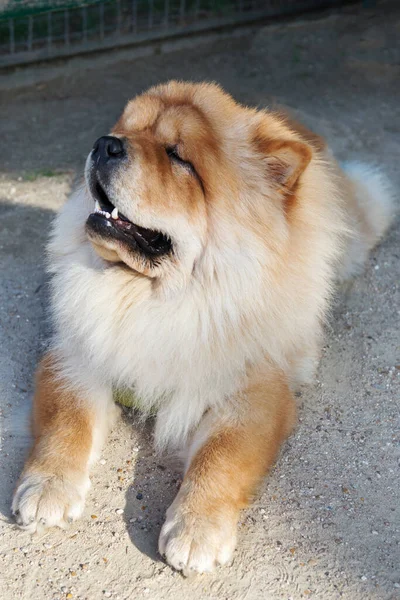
[326, 523]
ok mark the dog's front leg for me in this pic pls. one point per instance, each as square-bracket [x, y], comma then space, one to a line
[227, 459]
[67, 430]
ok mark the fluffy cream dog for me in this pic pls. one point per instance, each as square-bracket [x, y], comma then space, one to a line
[195, 267]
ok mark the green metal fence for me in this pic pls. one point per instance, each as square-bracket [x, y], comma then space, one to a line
[32, 30]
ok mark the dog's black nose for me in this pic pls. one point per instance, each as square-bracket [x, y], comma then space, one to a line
[108, 148]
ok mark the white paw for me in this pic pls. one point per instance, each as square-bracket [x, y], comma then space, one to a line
[45, 500]
[196, 543]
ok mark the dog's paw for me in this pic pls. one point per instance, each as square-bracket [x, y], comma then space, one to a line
[197, 543]
[46, 500]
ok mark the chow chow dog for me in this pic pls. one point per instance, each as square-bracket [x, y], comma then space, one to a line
[195, 268]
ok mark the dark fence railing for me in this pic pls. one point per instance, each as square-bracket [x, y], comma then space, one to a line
[33, 30]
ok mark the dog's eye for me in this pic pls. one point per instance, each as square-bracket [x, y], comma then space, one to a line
[173, 154]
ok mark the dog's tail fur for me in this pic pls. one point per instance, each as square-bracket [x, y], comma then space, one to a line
[371, 206]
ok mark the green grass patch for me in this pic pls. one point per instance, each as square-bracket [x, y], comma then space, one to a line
[38, 173]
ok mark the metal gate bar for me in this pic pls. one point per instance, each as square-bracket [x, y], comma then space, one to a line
[35, 32]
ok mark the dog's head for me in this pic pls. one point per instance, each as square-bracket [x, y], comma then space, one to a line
[186, 168]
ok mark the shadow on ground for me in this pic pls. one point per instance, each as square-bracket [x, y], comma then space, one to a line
[156, 481]
[23, 231]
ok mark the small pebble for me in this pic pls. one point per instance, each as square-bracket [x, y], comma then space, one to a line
[107, 594]
[119, 511]
[139, 496]
[102, 461]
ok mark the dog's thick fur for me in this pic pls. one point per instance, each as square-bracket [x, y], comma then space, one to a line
[214, 335]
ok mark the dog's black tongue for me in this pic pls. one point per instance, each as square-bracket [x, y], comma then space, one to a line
[123, 217]
[149, 235]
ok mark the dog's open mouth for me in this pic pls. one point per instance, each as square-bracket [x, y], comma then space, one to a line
[106, 221]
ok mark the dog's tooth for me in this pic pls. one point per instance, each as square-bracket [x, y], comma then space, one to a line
[114, 213]
[97, 206]
[107, 215]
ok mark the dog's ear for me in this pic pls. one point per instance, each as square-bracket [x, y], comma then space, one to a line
[285, 160]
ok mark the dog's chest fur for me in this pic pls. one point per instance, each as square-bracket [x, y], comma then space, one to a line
[181, 354]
